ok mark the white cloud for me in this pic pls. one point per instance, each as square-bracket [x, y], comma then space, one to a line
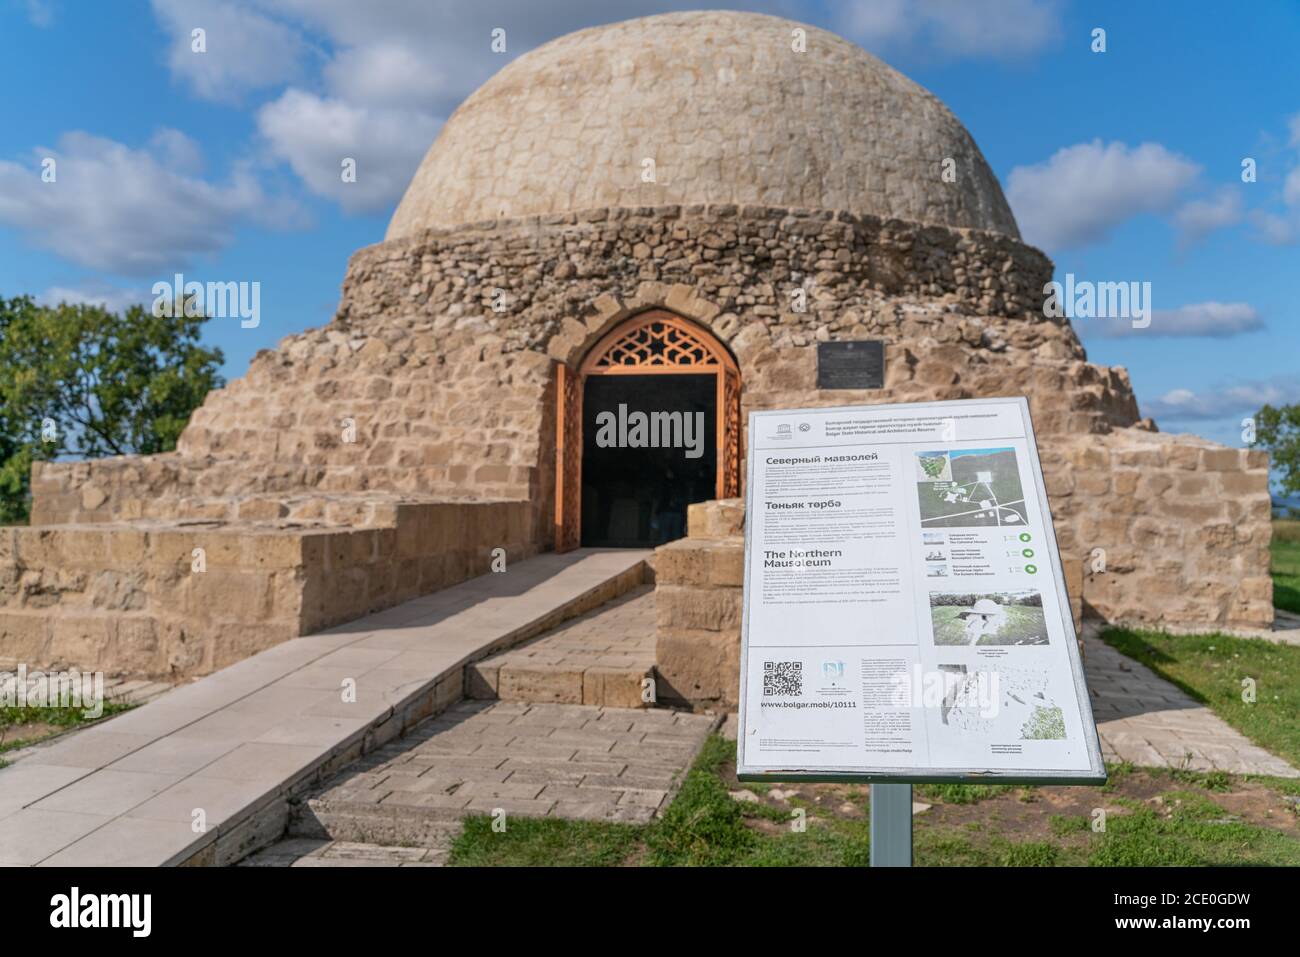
[1274, 229]
[314, 135]
[1084, 192]
[1200, 217]
[1232, 399]
[128, 211]
[245, 49]
[1214, 320]
[113, 298]
[390, 74]
[954, 28]
[1291, 188]
[40, 13]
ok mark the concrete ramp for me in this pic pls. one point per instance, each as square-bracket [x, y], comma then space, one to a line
[203, 775]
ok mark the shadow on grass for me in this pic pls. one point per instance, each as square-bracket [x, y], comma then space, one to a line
[1134, 644]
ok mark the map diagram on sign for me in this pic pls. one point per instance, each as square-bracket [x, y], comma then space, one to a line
[969, 487]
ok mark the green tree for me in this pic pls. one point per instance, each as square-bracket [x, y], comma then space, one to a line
[79, 381]
[1278, 431]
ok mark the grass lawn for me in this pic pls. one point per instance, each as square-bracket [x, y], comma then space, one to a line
[1152, 817]
[20, 727]
[1286, 565]
[1211, 669]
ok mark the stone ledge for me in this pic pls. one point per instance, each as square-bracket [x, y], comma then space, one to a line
[186, 598]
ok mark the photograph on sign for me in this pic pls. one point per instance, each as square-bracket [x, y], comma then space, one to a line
[905, 616]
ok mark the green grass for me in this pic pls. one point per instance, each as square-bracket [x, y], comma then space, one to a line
[1286, 567]
[1211, 669]
[705, 826]
[958, 793]
[60, 718]
[544, 842]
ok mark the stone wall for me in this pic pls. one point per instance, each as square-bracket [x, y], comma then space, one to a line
[435, 382]
[440, 358]
[130, 596]
[1170, 530]
[699, 582]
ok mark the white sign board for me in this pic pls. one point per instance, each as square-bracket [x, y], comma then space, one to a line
[905, 614]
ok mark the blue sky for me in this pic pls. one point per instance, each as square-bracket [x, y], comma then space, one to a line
[1123, 165]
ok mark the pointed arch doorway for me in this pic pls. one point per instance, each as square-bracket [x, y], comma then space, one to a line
[647, 424]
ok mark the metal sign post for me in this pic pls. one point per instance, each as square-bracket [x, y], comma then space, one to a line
[891, 825]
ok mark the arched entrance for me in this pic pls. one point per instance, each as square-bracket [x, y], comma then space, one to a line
[649, 423]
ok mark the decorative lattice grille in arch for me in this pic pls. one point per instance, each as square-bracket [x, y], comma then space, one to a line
[657, 342]
[653, 343]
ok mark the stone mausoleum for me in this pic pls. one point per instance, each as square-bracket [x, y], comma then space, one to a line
[667, 213]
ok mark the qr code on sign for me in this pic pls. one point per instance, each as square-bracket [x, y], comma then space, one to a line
[782, 678]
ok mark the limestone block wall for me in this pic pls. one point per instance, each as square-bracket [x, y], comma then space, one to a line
[1169, 529]
[127, 596]
[699, 581]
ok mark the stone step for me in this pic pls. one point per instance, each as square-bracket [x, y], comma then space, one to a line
[604, 658]
[339, 819]
[314, 852]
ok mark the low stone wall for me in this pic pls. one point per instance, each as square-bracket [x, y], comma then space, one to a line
[137, 597]
[1170, 530]
[698, 586]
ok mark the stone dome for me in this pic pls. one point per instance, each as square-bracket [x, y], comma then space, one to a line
[728, 112]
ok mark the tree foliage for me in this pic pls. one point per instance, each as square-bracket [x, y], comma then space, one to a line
[1278, 431]
[82, 382]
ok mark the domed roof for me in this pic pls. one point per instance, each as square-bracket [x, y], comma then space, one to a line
[727, 110]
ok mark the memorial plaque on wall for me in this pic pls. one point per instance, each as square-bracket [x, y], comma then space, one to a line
[858, 364]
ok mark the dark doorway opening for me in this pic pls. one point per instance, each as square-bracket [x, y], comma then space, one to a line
[634, 494]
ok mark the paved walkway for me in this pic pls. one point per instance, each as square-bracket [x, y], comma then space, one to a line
[1143, 719]
[205, 772]
[497, 758]
[602, 658]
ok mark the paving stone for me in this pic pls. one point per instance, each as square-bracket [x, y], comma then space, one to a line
[108, 792]
[90, 749]
[521, 806]
[600, 811]
[643, 798]
[493, 789]
[1145, 720]
[219, 800]
[176, 756]
[129, 842]
[30, 835]
[267, 763]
